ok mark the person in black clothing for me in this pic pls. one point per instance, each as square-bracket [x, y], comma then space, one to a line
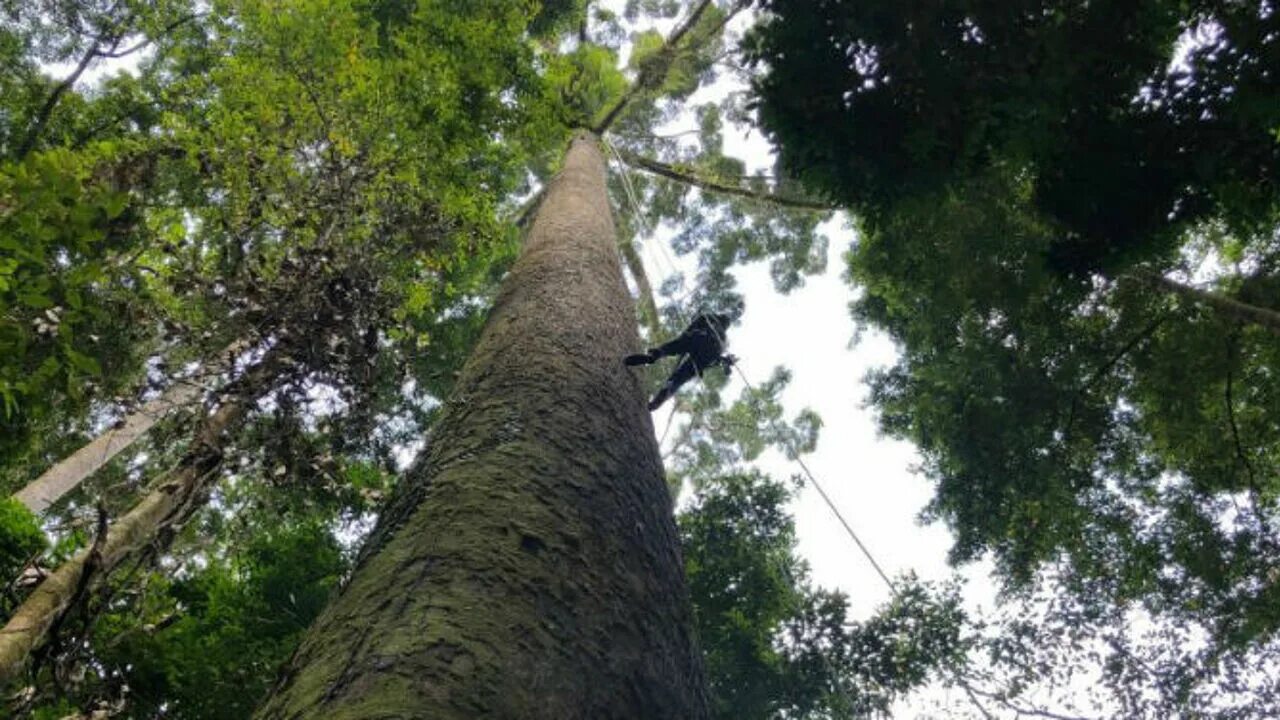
[702, 345]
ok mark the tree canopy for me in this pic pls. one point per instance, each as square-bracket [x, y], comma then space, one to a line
[1068, 224]
[303, 209]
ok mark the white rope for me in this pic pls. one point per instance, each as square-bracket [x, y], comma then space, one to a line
[686, 317]
[650, 235]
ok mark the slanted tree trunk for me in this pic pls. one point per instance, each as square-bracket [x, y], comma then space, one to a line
[171, 499]
[529, 566]
[67, 475]
[1265, 318]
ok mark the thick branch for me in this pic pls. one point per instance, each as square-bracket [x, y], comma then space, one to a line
[1266, 318]
[170, 500]
[648, 82]
[67, 474]
[673, 173]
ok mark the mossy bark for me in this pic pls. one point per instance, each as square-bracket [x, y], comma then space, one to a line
[529, 567]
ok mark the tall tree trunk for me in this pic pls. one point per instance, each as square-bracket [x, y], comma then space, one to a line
[529, 567]
[1266, 318]
[171, 499]
[67, 475]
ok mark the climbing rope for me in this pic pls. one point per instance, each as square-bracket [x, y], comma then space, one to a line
[792, 452]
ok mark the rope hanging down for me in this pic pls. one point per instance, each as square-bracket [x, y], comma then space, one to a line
[686, 317]
[793, 453]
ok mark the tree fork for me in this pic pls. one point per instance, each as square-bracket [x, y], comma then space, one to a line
[170, 500]
[529, 565]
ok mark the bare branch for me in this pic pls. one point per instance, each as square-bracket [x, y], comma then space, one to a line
[1017, 708]
[672, 172]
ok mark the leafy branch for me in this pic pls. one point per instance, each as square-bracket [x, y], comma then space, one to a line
[1265, 318]
[104, 47]
[653, 75]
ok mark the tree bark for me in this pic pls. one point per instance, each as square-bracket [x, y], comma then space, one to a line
[1265, 318]
[170, 500]
[67, 475]
[529, 566]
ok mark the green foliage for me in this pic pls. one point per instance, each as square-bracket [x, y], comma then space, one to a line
[587, 81]
[213, 638]
[319, 175]
[1125, 148]
[556, 16]
[720, 435]
[652, 8]
[1022, 177]
[1107, 433]
[723, 230]
[776, 647]
[68, 316]
[325, 178]
[21, 538]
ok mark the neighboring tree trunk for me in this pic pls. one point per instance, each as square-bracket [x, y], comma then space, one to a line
[67, 475]
[170, 500]
[648, 307]
[1263, 317]
[529, 566]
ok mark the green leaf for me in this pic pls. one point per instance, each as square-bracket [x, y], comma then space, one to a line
[83, 362]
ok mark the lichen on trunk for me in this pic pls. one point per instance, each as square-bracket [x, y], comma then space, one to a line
[530, 567]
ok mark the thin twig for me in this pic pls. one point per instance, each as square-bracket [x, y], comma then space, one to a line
[1020, 709]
